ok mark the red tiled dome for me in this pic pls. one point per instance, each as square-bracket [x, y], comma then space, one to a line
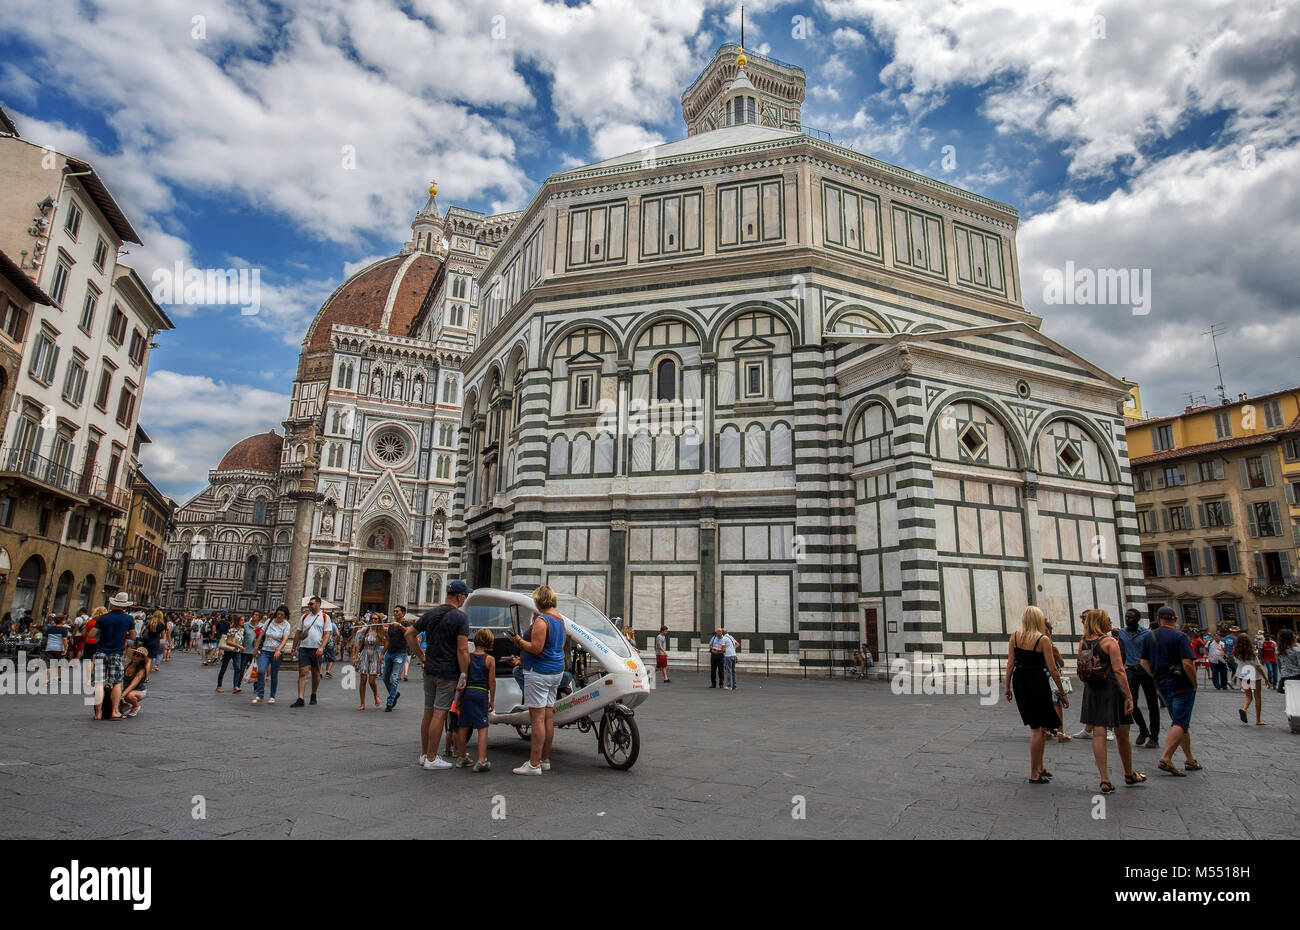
[362, 299]
[256, 453]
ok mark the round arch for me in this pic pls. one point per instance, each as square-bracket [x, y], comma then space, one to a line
[753, 306]
[1095, 434]
[858, 310]
[553, 341]
[993, 406]
[860, 407]
[663, 316]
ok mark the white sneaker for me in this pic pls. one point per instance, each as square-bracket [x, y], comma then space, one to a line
[1082, 734]
[255, 701]
[270, 700]
[528, 769]
[423, 759]
[546, 765]
[1110, 737]
[436, 764]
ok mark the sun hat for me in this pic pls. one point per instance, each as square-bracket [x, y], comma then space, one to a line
[120, 599]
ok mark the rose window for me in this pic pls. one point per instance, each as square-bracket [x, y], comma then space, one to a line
[390, 448]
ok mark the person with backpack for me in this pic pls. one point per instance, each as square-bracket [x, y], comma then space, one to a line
[1107, 700]
[445, 660]
[1169, 659]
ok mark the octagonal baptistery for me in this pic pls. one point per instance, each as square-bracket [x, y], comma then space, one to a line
[219, 551]
[755, 379]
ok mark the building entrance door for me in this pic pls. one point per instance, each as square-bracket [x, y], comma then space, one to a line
[869, 629]
[483, 569]
[375, 584]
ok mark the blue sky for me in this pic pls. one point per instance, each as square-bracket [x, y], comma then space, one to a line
[1154, 135]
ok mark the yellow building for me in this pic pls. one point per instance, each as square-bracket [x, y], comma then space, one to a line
[1217, 494]
[146, 538]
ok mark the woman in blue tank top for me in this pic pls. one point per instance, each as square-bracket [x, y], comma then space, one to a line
[542, 655]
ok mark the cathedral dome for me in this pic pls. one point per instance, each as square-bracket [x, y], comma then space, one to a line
[256, 453]
[383, 297]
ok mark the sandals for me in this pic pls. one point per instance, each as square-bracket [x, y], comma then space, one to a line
[1170, 769]
[1192, 765]
[1045, 774]
[1107, 788]
[1135, 779]
[1040, 780]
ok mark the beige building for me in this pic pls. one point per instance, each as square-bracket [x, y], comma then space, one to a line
[146, 541]
[67, 461]
[1218, 507]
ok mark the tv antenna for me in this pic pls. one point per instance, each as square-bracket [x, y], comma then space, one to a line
[1194, 399]
[1214, 332]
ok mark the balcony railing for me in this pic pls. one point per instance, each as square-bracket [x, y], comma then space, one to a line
[113, 496]
[41, 469]
[1273, 587]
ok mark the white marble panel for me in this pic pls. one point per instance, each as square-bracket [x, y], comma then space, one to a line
[774, 614]
[988, 601]
[947, 489]
[679, 602]
[1015, 595]
[868, 528]
[956, 600]
[1081, 596]
[556, 545]
[731, 544]
[1013, 534]
[1004, 495]
[688, 543]
[665, 543]
[945, 525]
[726, 383]
[598, 545]
[592, 588]
[991, 531]
[1056, 605]
[869, 570]
[647, 601]
[729, 449]
[638, 544]
[781, 378]
[756, 542]
[738, 602]
[1069, 539]
[968, 529]
[577, 546]
[893, 570]
[977, 492]
[1046, 538]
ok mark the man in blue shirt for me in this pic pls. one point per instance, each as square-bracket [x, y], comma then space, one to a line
[1168, 658]
[1133, 641]
[115, 627]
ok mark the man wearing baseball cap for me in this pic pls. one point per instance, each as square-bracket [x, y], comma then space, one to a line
[115, 628]
[446, 663]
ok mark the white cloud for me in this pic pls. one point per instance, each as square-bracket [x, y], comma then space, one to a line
[1220, 241]
[193, 421]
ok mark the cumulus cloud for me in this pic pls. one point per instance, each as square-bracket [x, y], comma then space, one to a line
[193, 421]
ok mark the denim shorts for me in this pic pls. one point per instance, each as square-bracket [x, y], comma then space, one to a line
[539, 689]
[1179, 703]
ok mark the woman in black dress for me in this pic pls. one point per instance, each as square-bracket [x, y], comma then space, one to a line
[1107, 701]
[1029, 662]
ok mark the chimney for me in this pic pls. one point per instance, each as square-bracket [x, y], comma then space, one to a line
[1241, 397]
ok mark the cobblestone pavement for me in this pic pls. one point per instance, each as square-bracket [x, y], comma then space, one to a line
[868, 764]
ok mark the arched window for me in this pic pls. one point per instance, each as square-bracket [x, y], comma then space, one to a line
[320, 582]
[250, 573]
[259, 511]
[432, 589]
[62, 592]
[87, 593]
[666, 381]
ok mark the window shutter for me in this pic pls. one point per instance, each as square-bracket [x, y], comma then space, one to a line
[1260, 575]
[1234, 566]
[1192, 558]
[1187, 518]
[1268, 469]
[1227, 513]
[1182, 475]
[1160, 478]
[1164, 518]
[1159, 560]
[1250, 516]
[1193, 473]
[1218, 469]
[1277, 517]
[1245, 475]
[1211, 567]
[1200, 515]
[1284, 560]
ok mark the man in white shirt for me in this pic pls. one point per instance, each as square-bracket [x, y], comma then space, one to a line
[729, 659]
[311, 647]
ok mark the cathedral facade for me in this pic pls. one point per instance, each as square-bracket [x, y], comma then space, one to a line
[757, 380]
[352, 502]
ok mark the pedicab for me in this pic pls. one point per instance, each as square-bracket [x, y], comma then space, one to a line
[604, 681]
